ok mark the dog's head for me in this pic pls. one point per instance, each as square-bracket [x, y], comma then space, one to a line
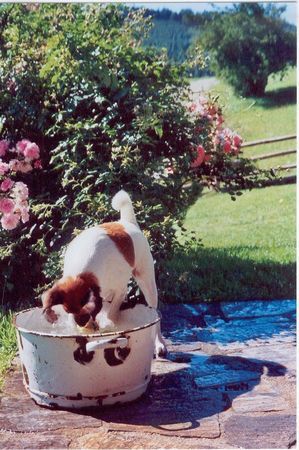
[79, 295]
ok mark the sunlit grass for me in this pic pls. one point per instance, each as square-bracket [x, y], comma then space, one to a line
[268, 117]
[257, 118]
[249, 245]
[261, 221]
[8, 344]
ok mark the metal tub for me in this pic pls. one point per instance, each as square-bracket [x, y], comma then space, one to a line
[83, 370]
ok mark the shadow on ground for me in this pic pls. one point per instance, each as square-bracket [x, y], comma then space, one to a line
[279, 97]
[182, 399]
[229, 323]
[192, 386]
[207, 274]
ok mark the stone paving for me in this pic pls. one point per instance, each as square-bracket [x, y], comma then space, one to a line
[228, 382]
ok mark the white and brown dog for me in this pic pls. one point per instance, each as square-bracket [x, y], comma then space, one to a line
[98, 265]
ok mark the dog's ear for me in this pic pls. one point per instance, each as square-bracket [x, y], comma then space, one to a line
[92, 302]
[50, 298]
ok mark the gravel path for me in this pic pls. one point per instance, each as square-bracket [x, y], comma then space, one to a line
[203, 84]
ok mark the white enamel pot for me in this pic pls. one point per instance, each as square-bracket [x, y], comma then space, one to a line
[83, 370]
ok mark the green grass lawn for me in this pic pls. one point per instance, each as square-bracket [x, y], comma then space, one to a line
[261, 223]
[8, 344]
[254, 118]
[248, 249]
[257, 118]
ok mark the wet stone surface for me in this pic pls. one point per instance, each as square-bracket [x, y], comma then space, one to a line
[228, 382]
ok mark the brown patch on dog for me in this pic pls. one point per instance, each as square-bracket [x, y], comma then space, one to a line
[79, 295]
[122, 240]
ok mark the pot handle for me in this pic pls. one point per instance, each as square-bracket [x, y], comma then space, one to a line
[107, 343]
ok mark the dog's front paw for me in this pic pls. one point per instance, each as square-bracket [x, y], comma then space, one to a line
[160, 349]
[105, 323]
[50, 315]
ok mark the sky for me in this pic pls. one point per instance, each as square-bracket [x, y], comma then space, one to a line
[290, 15]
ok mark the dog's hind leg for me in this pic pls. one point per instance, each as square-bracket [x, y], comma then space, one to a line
[146, 281]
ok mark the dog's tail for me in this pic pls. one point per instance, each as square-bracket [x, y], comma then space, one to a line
[122, 202]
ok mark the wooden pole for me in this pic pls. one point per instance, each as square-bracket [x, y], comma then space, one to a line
[285, 167]
[268, 141]
[273, 154]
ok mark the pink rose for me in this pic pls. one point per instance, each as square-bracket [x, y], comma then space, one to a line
[220, 121]
[4, 145]
[14, 165]
[212, 110]
[6, 184]
[192, 107]
[31, 151]
[169, 170]
[37, 164]
[20, 190]
[202, 100]
[3, 168]
[200, 157]
[10, 221]
[227, 147]
[24, 166]
[24, 213]
[237, 140]
[198, 129]
[6, 205]
[216, 140]
[21, 145]
[227, 134]
[208, 158]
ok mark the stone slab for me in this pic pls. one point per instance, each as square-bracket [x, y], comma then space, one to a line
[136, 440]
[9, 440]
[259, 402]
[19, 413]
[264, 431]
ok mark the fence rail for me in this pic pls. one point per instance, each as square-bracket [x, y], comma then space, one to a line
[273, 154]
[268, 141]
[285, 167]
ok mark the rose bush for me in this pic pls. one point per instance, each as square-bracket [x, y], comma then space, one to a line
[218, 161]
[105, 114]
[209, 124]
[22, 158]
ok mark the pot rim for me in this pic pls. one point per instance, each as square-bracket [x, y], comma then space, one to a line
[87, 335]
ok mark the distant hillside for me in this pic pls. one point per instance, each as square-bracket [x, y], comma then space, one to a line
[176, 32]
[173, 35]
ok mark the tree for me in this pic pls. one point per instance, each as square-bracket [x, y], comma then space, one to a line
[249, 43]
